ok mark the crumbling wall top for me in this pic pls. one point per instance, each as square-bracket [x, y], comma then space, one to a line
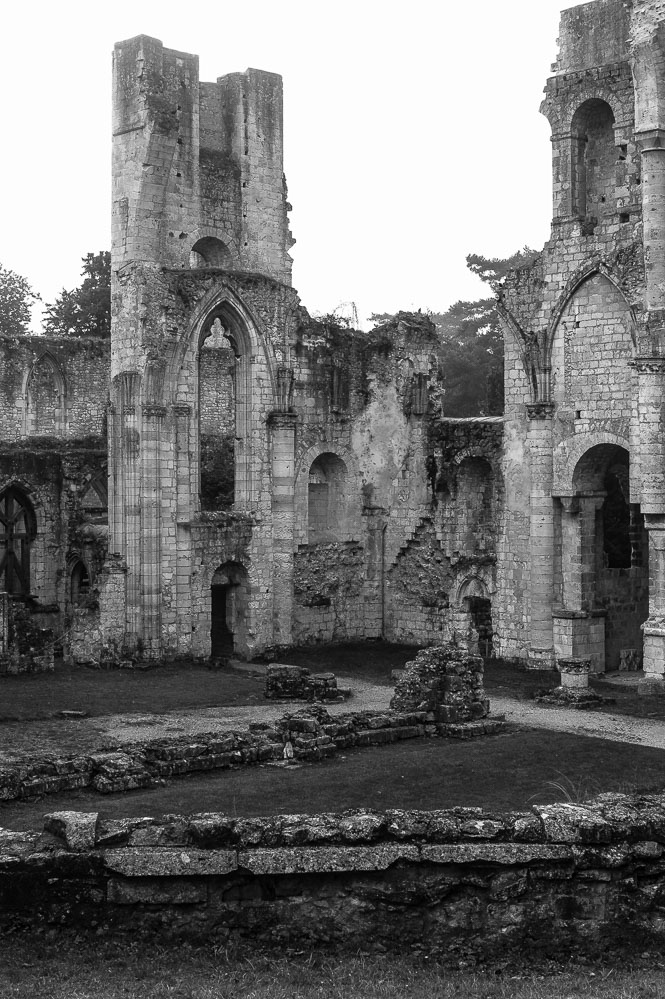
[593, 34]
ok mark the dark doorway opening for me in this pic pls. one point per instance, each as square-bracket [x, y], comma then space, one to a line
[221, 636]
[228, 611]
[480, 609]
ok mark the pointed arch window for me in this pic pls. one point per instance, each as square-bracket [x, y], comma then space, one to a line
[17, 532]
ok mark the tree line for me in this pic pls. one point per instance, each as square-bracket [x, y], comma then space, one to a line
[470, 335]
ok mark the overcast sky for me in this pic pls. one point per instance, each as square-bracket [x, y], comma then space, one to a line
[412, 133]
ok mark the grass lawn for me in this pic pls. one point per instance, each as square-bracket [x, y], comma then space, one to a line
[59, 965]
[499, 773]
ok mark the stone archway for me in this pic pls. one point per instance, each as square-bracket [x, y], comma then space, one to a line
[601, 562]
[474, 616]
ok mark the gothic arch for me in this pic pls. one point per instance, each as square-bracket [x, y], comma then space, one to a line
[45, 411]
[471, 586]
[255, 370]
[583, 274]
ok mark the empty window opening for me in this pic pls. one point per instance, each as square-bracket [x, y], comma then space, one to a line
[210, 252]
[327, 499]
[17, 532]
[593, 167]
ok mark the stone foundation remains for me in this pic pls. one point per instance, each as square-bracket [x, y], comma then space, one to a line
[445, 681]
[284, 682]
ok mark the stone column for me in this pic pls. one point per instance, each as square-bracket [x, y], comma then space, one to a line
[283, 435]
[541, 534]
[652, 147]
[654, 627]
[650, 436]
[579, 629]
[183, 516]
[151, 531]
[376, 519]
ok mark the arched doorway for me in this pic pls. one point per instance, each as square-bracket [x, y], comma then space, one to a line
[475, 616]
[228, 610]
[602, 564]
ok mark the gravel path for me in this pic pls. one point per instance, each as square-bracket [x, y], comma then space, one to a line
[20, 741]
[618, 728]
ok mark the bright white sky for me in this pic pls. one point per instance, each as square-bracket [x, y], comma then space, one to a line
[412, 133]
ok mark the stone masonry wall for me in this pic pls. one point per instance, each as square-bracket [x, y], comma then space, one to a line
[556, 880]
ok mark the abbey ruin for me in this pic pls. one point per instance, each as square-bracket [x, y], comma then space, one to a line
[230, 475]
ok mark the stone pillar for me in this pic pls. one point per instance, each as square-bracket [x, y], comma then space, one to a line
[579, 628]
[125, 506]
[283, 435]
[376, 520]
[654, 627]
[151, 531]
[541, 535]
[183, 516]
[652, 146]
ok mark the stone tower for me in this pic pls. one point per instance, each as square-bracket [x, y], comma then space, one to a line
[200, 259]
[582, 566]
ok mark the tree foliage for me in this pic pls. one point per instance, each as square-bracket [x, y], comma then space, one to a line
[16, 299]
[85, 311]
[471, 338]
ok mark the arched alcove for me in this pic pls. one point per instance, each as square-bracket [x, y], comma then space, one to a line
[327, 499]
[593, 167]
[79, 583]
[45, 398]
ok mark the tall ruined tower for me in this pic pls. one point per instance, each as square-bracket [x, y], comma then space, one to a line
[201, 283]
[583, 563]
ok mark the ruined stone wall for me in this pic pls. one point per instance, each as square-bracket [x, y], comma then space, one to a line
[450, 556]
[558, 879]
[53, 386]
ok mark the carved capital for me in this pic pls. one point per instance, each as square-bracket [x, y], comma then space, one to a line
[651, 140]
[649, 365]
[570, 504]
[540, 410]
[282, 421]
[154, 412]
[182, 409]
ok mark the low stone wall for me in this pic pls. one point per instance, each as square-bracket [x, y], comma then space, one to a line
[309, 734]
[555, 880]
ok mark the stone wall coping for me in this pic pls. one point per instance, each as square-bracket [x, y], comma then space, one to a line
[610, 829]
